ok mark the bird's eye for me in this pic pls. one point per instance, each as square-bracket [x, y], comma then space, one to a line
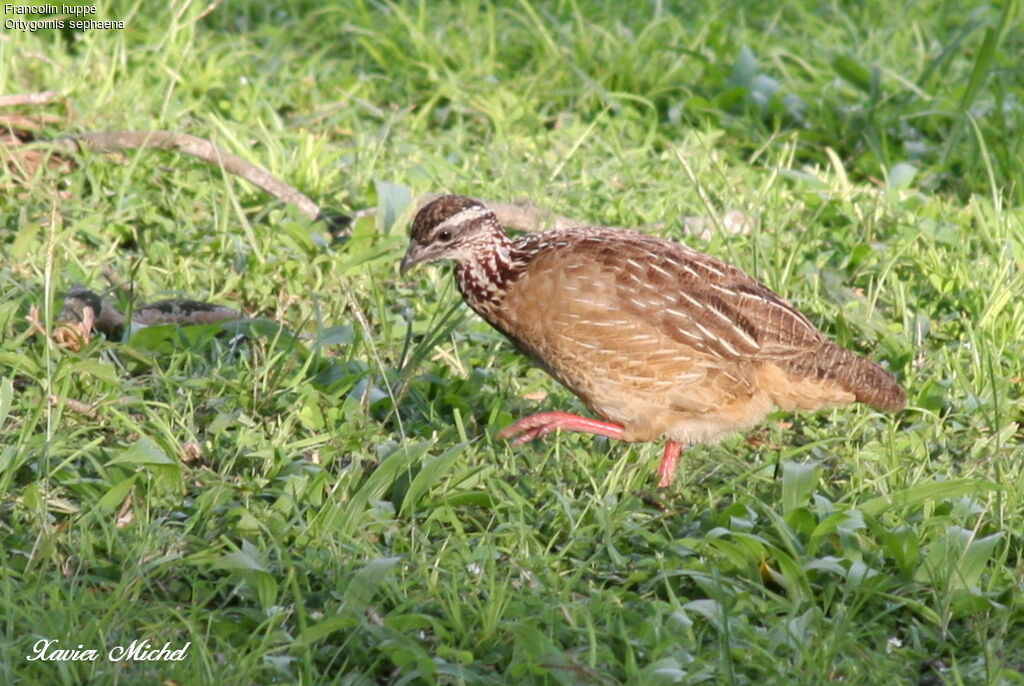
[445, 235]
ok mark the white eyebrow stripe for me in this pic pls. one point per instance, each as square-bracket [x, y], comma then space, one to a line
[464, 217]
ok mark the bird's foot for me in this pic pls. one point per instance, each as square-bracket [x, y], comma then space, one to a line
[543, 423]
[667, 468]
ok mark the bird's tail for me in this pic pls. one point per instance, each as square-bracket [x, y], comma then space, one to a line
[866, 380]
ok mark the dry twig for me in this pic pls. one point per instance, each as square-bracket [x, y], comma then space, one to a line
[28, 98]
[116, 141]
[523, 217]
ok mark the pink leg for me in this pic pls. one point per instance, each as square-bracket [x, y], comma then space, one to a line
[667, 468]
[543, 423]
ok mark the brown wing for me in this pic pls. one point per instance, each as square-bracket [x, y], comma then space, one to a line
[637, 325]
[741, 320]
[707, 303]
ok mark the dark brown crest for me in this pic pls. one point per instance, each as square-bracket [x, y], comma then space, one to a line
[436, 211]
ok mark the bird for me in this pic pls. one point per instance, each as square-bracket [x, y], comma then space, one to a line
[660, 341]
[89, 311]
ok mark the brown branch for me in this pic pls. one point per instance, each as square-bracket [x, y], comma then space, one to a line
[74, 405]
[28, 98]
[522, 217]
[116, 141]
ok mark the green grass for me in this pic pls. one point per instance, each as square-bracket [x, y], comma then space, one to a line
[333, 508]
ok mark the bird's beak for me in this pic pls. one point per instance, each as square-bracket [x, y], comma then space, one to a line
[413, 256]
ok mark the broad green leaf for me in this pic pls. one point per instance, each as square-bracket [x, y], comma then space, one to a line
[925, 492]
[143, 451]
[365, 584]
[112, 499]
[736, 554]
[7, 458]
[245, 523]
[533, 650]
[853, 71]
[849, 520]
[411, 658]
[709, 609]
[900, 177]
[799, 480]
[310, 415]
[346, 519]
[20, 363]
[6, 398]
[104, 371]
[745, 68]
[248, 559]
[265, 586]
[795, 576]
[392, 200]
[958, 559]
[434, 469]
[328, 626]
[982, 66]
[303, 237]
[334, 335]
[829, 563]
[664, 671]
[902, 546]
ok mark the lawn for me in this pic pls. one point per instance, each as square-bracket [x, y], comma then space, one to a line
[316, 495]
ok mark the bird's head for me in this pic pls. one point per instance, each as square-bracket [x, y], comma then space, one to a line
[452, 227]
